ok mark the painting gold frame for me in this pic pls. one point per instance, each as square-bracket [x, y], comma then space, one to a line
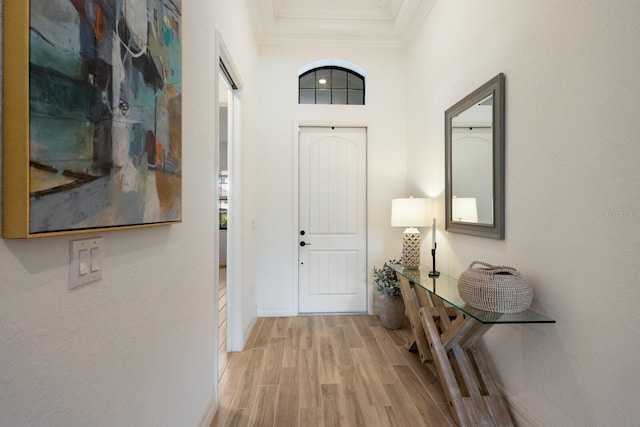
[16, 142]
[15, 116]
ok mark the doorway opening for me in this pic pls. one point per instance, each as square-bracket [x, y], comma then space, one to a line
[228, 233]
[225, 123]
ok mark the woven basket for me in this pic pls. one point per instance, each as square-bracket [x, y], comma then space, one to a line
[495, 288]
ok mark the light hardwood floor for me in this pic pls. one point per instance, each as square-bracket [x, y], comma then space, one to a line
[223, 356]
[328, 371]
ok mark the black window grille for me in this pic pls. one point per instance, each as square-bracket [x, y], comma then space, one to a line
[331, 85]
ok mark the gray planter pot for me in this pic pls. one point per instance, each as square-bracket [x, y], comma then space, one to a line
[391, 311]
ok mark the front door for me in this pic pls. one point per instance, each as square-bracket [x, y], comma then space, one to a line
[332, 239]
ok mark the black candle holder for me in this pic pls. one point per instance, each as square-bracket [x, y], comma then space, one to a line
[434, 272]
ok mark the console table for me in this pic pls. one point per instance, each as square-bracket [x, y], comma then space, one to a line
[445, 333]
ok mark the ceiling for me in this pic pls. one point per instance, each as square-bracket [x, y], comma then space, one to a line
[390, 23]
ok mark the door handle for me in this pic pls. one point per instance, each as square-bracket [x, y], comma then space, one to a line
[303, 243]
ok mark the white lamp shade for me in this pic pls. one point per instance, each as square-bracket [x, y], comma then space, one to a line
[411, 212]
[464, 209]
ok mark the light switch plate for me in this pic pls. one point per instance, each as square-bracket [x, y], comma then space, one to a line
[85, 261]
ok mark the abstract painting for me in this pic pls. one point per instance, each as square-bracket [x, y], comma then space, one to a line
[104, 114]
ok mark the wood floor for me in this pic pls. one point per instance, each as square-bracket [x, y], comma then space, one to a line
[328, 371]
[223, 356]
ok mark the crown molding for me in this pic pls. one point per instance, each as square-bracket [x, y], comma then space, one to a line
[385, 23]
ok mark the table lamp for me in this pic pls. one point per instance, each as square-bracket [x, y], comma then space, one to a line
[410, 213]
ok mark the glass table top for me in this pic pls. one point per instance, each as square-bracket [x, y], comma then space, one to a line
[446, 288]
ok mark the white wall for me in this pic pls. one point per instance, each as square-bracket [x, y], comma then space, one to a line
[572, 193]
[384, 115]
[136, 348]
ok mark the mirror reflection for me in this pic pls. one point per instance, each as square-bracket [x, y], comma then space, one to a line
[472, 164]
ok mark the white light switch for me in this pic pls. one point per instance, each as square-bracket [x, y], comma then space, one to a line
[85, 261]
[96, 259]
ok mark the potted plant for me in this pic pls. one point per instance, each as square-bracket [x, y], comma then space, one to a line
[390, 306]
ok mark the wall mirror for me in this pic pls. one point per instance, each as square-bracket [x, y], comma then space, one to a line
[474, 162]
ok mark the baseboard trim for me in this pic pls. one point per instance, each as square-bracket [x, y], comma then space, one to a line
[248, 330]
[522, 416]
[277, 313]
[209, 412]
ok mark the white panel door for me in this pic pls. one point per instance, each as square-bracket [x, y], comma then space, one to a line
[332, 239]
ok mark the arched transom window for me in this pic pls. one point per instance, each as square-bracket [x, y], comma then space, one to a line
[331, 85]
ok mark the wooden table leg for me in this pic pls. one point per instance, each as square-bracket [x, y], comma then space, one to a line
[465, 377]
[412, 305]
[461, 331]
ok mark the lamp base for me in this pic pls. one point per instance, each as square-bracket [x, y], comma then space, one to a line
[411, 249]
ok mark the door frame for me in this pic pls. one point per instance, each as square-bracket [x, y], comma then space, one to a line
[295, 295]
[235, 332]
